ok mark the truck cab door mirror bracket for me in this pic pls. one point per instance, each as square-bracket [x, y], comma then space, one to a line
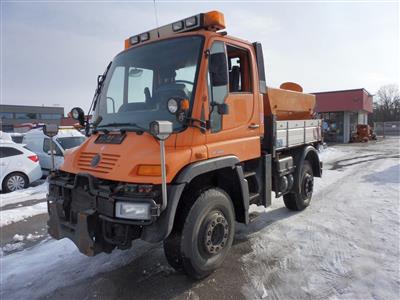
[222, 109]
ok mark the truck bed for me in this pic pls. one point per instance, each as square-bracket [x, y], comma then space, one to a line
[292, 133]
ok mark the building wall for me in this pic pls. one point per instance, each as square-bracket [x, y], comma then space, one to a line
[14, 115]
[349, 100]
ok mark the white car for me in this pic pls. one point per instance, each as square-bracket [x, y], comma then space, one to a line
[36, 141]
[18, 166]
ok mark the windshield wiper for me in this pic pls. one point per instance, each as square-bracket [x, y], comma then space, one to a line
[126, 126]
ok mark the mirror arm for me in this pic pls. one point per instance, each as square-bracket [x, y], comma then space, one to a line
[204, 125]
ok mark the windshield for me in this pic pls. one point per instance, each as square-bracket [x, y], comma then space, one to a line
[141, 80]
[70, 142]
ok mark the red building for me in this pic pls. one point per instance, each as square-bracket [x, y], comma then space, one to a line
[342, 111]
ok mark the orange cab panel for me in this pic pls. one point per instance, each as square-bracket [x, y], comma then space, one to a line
[123, 162]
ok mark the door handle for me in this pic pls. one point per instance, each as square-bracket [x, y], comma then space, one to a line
[254, 126]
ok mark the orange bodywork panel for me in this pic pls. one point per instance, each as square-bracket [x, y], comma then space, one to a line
[121, 162]
[288, 105]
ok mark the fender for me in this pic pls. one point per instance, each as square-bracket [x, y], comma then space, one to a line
[309, 152]
[163, 226]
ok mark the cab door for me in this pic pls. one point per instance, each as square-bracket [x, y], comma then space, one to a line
[234, 118]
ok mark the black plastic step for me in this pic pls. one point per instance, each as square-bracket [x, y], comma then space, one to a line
[249, 174]
[253, 196]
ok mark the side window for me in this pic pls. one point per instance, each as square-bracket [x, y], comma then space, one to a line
[217, 94]
[8, 151]
[140, 85]
[46, 147]
[239, 70]
[115, 92]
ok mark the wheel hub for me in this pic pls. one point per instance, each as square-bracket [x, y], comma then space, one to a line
[15, 183]
[308, 185]
[216, 233]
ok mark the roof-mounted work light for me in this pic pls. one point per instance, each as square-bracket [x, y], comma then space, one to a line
[212, 21]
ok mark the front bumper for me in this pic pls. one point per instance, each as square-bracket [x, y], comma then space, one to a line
[83, 209]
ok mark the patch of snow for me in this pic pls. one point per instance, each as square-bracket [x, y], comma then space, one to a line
[32, 193]
[19, 214]
[33, 237]
[18, 237]
[330, 154]
[344, 246]
[12, 247]
[58, 264]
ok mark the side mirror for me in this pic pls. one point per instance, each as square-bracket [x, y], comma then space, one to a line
[218, 69]
[78, 114]
[223, 109]
[50, 130]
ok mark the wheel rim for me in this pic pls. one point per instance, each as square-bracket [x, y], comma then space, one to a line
[308, 185]
[16, 182]
[216, 233]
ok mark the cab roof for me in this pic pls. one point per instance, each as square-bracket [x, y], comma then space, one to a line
[210, 21]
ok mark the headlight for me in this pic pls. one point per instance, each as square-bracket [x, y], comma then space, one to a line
[131, 210]
[172, 105]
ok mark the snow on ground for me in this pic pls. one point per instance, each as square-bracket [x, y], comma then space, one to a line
[344, 246]
[32, 193]
[35, 272]
[9, 216]
[18, 214]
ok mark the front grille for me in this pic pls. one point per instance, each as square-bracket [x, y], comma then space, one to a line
[106, 164]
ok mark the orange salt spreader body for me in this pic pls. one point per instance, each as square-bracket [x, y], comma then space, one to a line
[184, 137]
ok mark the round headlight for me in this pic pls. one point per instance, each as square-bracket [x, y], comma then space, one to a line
[75, 114]
[172, 105]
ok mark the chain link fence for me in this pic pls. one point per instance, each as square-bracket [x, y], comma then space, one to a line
[387, 128]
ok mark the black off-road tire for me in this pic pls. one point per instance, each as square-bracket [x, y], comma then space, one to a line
[206, 236]
[301, 198]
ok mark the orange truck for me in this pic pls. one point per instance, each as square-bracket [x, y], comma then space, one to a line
[185, 136]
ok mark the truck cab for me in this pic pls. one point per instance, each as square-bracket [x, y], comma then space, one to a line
[231, 143]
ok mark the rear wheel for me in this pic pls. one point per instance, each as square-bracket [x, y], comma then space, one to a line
[301, 198]
[202, 244]
[15, 181]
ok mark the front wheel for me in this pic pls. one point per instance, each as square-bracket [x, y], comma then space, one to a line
[301, 197]
[202, 244]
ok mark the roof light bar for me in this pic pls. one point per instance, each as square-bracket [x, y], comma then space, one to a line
[144, 37]
[177, 26]
[212, 21]
[190, 22]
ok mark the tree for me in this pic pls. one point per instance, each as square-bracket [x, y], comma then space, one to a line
[387, 104]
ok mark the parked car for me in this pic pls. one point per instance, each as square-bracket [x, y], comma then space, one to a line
[18, 166]
[17, 137]
[37, 142]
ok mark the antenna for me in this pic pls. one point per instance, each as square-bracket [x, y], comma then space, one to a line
[156, 17]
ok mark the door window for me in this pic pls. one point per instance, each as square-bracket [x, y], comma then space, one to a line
[217, 94]
[46, 147]
[239, 70]
[9, 151]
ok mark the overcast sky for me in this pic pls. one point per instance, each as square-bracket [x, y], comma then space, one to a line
[52, 52]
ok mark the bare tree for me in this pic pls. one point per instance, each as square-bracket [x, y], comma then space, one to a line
[387, 104]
